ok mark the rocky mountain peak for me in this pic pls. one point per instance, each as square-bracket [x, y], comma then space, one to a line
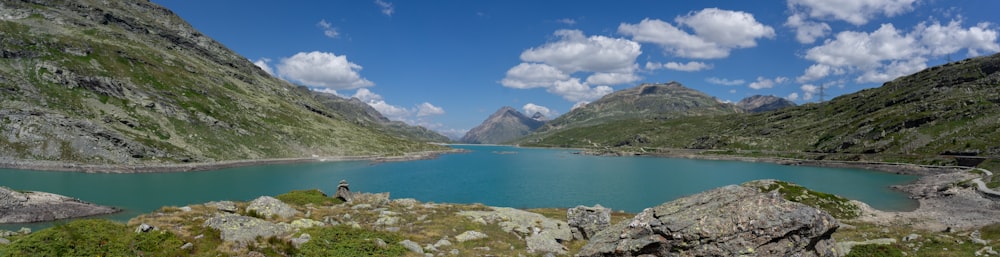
[763, 103]
[504, 125]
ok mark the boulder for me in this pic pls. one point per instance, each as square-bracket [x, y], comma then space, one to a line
[470, 235]
[343, 191]
[267, 207]
[237, 228]
[26, 207]
[412, 246]
[585, 221]
[224, 206]
[728, 221]
[299, 241]
[542, 234]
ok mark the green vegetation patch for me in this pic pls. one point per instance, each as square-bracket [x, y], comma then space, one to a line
[836, 206]
[303, 197]
[94, 237]
[875, 250]
[346, 241]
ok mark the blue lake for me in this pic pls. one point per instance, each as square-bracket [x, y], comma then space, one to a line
[492, 175]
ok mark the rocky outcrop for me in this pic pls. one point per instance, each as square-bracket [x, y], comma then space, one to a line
[267, 207]
[542, 234]
[238, 228]
[763, 103]
[585, 221]
[728, 221]
[26, 207]
[343, 191]
[504, 125]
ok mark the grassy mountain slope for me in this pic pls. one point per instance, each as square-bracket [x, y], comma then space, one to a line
[949, 109]
[129, 82]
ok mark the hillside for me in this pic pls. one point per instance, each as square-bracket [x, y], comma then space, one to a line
[647, 101]
[364, 115]
[129, 82]
[502, 126]
[946, 110]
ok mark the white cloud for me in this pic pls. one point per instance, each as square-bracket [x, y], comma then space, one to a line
[532, 75]
[948, 39]
[888, 53]
[716, 33]
[806, 31]
[387, 7]
[326, 90]
[262, 63]
[328, 29]
[567, 21]
[763, 82]
[689, 66]
[320, 69]
[793, 97]
[603, 78]
[395, 112]
[608, 61]
[428, 109]
[857, 12]
[725, 82]
[531, 109]
[579, 104]
[575, 52]
[574, 91]
[808, 91]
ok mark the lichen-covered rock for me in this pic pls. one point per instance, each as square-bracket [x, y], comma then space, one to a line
[546, 232]
[224, 206]
[727, 221]
[470, 235]
[412, 246]
[239, 228]
[18, 207]
[587, 221]
[267, 206]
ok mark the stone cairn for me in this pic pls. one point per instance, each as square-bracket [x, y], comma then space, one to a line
[343, 191]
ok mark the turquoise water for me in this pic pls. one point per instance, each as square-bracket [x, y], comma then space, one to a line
[492, 175]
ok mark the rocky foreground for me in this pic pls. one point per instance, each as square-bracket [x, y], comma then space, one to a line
[27, 207]
[757, 218]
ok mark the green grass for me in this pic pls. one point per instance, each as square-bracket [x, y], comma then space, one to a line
[91, 237]
[349, 242]
[836, 206]
[311, 196]
[875, 250]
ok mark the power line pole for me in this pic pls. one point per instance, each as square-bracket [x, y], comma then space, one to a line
[821, 93]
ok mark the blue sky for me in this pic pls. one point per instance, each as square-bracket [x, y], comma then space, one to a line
[448, 64]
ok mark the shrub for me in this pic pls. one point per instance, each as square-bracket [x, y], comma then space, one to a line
[346, 241]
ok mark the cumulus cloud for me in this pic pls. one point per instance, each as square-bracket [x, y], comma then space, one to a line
[262, 63]
[326, 90]
[793, 96]
[532, 75]
[716, 33]
[395, 112]
[428, 109]
[857, 12]
[531, 109]
[321, 69]
[888, 52]
[763, 82]
[725, 82]
[605, 61]
[808, 91]
[689, 66]
[806, 31]
[328, 29]
[386, 7]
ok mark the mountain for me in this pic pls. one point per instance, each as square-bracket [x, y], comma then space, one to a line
[129, 82]
[945, 110]
[363, 114]
[503, 126]
[763, 103]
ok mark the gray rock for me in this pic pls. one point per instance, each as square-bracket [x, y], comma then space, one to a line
[728, 221]
[27, 207]
[143, 228]
[544, 232]
[24, 231]
[4, 241]
[302, 239]
[412, 246]
[306, 223]
[224, 206]
[910, 237]
[406, 202]
[343, 191]
[238, 228]
[442, 243]
[267, 207]
[381, 243]
[454, 252]
[470, 235]
[373, 199]
[186, 209]
[587, 221]
[387, 221]
[187, 245]
[544, 242]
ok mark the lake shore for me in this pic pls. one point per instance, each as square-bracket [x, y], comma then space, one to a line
[205, 166]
